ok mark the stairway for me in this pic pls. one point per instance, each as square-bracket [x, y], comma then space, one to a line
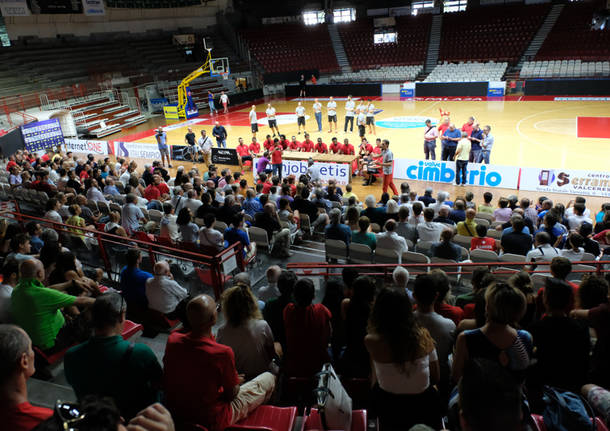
[342, 60]
[541, 35]
[434, 43]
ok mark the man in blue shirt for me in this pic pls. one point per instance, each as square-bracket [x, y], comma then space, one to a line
[161, 137]
[476, 137]
[450, 140]
[220, 133]
[252, 205]
[336, 230]
[133, 285]
[235, 233]
[211, 103]
[486, 145]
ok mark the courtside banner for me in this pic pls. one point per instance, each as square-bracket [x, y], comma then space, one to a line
[136, 150]
[569, 181]
[94, 7]
[444, 172]
[86, 147]
[336, 171]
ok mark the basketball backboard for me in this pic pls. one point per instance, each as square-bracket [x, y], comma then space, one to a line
[219, 66]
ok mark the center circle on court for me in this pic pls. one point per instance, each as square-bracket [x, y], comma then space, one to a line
[406, 122]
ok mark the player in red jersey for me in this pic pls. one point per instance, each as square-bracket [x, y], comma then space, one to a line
[335, 147]
[254, 147]
[268, 143]
[243, 151]
[307, 145]
[321, 147]
[294, 145]
[347, 148]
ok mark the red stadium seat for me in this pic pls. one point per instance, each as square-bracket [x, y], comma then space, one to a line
[130, 329]
[268, 418]
[313, 421]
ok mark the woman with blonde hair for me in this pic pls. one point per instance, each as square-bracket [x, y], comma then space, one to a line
[246, 333]
[405, 364]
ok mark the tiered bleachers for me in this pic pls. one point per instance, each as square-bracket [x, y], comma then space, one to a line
[411, 46]
[467, 72]
[384, 73]
[572, 37]
[199, 90]
[500, 33]
[89, 115]
[291, 47]
[564, 69]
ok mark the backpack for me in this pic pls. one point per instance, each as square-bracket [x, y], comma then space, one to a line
[567, 411]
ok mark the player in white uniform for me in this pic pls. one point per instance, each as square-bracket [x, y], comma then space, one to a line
[370, 118]
[300, 116]
[224, 99]
[271, 119]
[331, 107]
[349, 114]
[253, 121]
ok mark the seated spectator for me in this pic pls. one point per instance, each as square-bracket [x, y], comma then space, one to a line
[599, 399]
[364, 236]
[113, 226]
[352, 215]
[337, 230]
[577, 216]
[34, 230]
[416, 217]
[131, 214]
[458, 213]
[236, 233]
[17, 365]
[593, 291]
[200, 380]
[133, 284]
[442, 287]
[589, 244]
[503, 212]
[482, 241]
[391, 210]
[486, 207]
[191, 202]
[308, 332]
[405, 363]
[270, 290]
[441, 329]
[468, 227]
[550, 225]
[481, 278]
[543, 250]
[36, 308]
[427, 198]
[165, 295]
[270, 221]
[516, 242]
[375, 214]
[274, 309]
[168, 227]
[561, 343]
[390, 240]
[286, 215]
[355, 359]
[246, 333]
[497, 341]
[130, 374]
[574, 250]
[429, 230]
[10, 276]
[208, 236]
[489, 398]
[441, 197]
[403, 228]
[20, 248]
[252, 205]
[66, 269]
[443, 216]
[189, 231]
[52, 208]
[445, 248]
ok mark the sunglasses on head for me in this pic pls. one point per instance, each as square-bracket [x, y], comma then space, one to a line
[69, 414]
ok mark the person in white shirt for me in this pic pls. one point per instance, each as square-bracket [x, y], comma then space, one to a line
[169, 228]
[208, 236]
[224, 99]
[53, 206]
[192, 202]
[272, 120]
[417, 216]
[543, 250]
[94, 193]
[361, 122]
[349, 114]
[370, 118]
[579, 200]
[390, 240]
[576, 251]
[10, 272]
[578, 217]
[300, 111]
[331, 108]
[164, 294]
[429, 230]
[430, 136]
[317, 111]
[253, 121]
[205, 144]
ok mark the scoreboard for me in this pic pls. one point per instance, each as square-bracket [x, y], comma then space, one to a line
[40, 135]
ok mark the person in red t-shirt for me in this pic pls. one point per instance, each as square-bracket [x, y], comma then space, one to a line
[321, 147]
[268, 143]
[200, 379]
[335, 146]
[276, 159]
[442, 286]
[482, 241]
[347, 148]
[294, 145]
[18, 366]
[443, 126]
[243, 152]
[151, 193]
[11, 163]
[307, 332]
[307, 145]
[254, 147]
[284, 142]
[467, 127]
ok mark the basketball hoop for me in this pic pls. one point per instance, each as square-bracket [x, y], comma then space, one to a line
[225, 75]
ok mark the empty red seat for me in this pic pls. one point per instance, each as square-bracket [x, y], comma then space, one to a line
[268, 418]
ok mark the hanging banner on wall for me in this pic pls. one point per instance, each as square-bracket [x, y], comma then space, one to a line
[94, 7]
[570, 181]
[14, 8]
[40, 135]
[337, 171]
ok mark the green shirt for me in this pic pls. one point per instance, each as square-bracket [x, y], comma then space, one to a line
[486, 209]
[97, 366]
[36, 309]
[366, 238]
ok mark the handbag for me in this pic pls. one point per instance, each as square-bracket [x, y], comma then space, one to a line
[333, 403]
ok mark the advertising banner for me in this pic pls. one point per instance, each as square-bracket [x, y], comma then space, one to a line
[570, 181]
[14, 8]
[407, 89]
[225, 156]
[40, 135]
[444, 172]
[171, 112]
[94, 7]
[87, 146]
[336, 171]
[496, 88]
[136, 150]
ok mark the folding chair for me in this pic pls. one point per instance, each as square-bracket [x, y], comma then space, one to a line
[360, 253]
[335, 249]
[259, 236]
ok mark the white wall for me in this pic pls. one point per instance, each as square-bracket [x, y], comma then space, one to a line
[115, 20]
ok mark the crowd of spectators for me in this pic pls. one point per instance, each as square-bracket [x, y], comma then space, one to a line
[410, 338]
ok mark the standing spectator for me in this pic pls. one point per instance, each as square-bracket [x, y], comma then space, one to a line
[220, 133]
[253, 122]
[430, 136]
[200, 381]
[130, 374]
[476, 137]
[302, 86]
[133, 283]
[451, 136]
[361, 122]
[331, 108]
[190, 140]
[387, 166]
[462, 154]
[17, 365]
[246, 333]
[317, 112]
[405, 364]
[300, 111]
[162, 146]
[213, 109]
[224, 99]
[276, 159]
[349, 114]
[205, 144]
[370, 117]
[308, 332]
[486, 145]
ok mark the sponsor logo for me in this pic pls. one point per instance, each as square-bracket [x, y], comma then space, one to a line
[407, 122]
[444, 173]
[82, 146]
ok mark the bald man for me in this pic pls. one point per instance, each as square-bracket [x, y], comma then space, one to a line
[201, 383]
[468, 227]
[37, 308]
[164, 294]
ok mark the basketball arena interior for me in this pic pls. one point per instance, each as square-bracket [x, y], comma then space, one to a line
[297, 215]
